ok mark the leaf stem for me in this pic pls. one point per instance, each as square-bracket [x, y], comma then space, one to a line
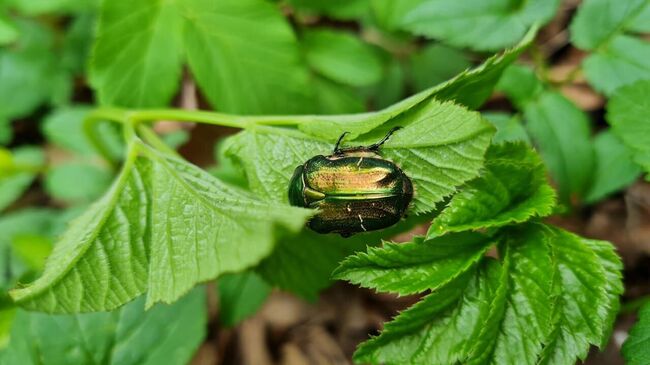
[222, 119]
[90, 130]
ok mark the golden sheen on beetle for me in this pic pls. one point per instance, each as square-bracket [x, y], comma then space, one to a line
[354, 189]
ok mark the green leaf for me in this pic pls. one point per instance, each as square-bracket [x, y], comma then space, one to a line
[64, 127]
[391, 88]
[512, 189]
[40, 7]
[627, 113]
[77, 182]
[32, 250]
[335, 98]
[17, 177]
[598, 21]
[440, 146]
[241, 66]
[240, 296]
[589, 275]
[615, 168]
[441, 327]
[600, 26]
[30, 72]
[635, 348]
[8, 31]
[509, 127]
[470, 88]
[136, 58]
[6, 132]
[143, 236]
[166, 334]
[553, 295]
[339, 9]
[342, 57]
[559, 129]
[303, 264]
[485, 25]
[435, 64]
[408, 268]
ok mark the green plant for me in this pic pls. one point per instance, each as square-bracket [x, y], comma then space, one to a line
[497, 282]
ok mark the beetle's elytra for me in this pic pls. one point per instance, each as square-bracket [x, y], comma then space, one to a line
[354, 189]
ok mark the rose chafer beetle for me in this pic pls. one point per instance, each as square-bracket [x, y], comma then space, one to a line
[354, 189]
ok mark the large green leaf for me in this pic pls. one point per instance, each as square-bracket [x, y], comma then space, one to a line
[484, 25]
[245, 57]
[553, 295]
[470, 88]
[627, 113]
[511, 189]
[342, 57]
[558, 128]
[635, 349]
[136, 58]
[600, 26]
[440, 146]
[414, 267]
[615, 168]
[166, 334]
[143, 236]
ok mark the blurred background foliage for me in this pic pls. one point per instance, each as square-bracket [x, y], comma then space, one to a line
[58, 58]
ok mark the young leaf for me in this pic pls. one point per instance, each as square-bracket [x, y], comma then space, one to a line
[241, 66]
[470, 88]
[512, 189]
[552, 297]
[627, 113]
[408, 268]
[342, 57]
[615, 168]
[19, 173]
[166, 334]
[635, 348]
[440, 146]
[136, 58]
[143, 236]
[485, 25]
[240, 296]
[618, 59]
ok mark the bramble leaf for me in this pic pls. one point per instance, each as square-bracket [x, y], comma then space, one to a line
[512, 189]
[241, 66]
[166, 334]
[342, 57]
[485, 25]
[615, 168]
[552, 296]
[440, 146]
[408, 268]
[136, 58]
[627, 113]
[240, 296]
[635, 348]
[560, 131]
[618, 59]
[122, 246]
[509, 127]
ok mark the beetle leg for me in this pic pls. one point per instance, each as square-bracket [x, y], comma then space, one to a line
[376, 146]
[338, 143]
[361, 224]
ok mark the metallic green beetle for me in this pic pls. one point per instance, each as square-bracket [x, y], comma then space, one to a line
[354, 189]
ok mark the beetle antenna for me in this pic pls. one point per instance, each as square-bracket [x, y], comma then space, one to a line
[376, 146]
[338, 143]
